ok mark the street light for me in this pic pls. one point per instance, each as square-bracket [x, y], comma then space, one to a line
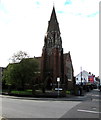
[58, 80]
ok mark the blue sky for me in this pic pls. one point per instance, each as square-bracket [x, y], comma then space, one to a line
[23, 24]
[68, 2]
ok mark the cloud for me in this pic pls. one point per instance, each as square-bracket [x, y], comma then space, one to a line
[68, 2]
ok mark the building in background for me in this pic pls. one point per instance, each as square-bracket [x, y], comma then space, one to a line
[85, 77]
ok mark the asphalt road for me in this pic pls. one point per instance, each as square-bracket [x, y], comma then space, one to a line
[19, 108]
[88, 108]
[24, 108]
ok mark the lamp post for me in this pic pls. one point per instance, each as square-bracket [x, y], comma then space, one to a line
[58, 80]
[81, 76]
[81, 83]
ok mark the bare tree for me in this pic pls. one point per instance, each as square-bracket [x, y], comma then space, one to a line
[17, 57]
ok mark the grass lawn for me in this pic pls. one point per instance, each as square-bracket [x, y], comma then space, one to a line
[67, 92]
[25, 92]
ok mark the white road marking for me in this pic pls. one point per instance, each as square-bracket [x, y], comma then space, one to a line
[96, 95]
[88, 111]
[96, 100]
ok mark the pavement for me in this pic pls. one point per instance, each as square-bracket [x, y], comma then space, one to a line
[71, 98]
[67, 98]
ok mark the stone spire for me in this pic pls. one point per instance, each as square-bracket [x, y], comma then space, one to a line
[53, 23]
[52, 38]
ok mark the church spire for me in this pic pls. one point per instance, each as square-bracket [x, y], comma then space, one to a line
[53, 38]
[53, 15]
[53, 23]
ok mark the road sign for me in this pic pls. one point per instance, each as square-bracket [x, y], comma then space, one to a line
[58, 89]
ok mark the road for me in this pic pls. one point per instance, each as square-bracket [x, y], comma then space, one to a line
[16, 108]
[89, 108]
[24, 108]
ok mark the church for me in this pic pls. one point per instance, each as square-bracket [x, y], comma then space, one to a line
[54, 64]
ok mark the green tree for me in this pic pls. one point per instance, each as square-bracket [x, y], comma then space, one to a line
[22, 73]
[8, 77]
[7, 74]
[29, 67]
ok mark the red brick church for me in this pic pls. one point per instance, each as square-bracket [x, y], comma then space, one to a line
[54, 63]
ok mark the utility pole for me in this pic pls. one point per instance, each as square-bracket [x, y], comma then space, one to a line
[81, 76]
[81, 89]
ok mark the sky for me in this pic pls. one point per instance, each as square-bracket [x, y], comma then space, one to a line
[23, 25]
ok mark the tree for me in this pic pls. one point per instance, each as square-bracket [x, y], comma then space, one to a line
[28, 69]
[22, 73]
[17, 57]
[11, 75]
[7, 76]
